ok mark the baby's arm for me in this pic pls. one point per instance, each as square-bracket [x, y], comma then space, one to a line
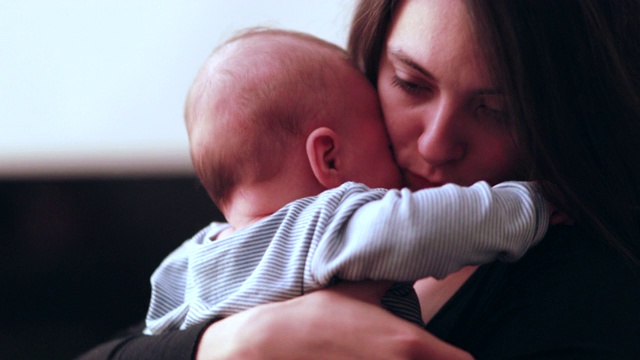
[433, 232]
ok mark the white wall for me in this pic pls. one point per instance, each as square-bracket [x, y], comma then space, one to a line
[96, 87]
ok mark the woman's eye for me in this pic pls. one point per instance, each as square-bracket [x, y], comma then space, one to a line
[405, 85]
[484, 112]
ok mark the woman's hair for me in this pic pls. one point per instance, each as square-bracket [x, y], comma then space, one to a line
[570, 71]
[249, 104]
[369, 28]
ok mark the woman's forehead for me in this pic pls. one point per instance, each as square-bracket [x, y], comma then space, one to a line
[436, 37]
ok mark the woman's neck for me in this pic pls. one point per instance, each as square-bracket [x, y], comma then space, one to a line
[433, 293]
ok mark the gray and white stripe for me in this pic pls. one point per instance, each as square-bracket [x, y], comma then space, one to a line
[349, 233]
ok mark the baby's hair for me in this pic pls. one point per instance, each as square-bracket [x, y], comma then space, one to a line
[252, 100]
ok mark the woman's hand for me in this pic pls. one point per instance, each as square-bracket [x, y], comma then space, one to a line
[342, 322]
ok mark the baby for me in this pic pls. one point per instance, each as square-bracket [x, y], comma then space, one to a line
[288, 139]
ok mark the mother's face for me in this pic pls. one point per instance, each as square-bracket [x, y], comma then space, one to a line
[442, 112]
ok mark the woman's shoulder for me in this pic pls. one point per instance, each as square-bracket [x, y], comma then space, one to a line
[577, 260]
[571, 291]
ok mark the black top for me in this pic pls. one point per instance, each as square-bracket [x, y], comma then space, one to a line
[570, 297]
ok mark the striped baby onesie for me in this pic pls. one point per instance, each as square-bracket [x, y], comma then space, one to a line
[347, 233]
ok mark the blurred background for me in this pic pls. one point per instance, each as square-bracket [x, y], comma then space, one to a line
[96, 186]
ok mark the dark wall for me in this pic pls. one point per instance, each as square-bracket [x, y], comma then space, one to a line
[76, 256]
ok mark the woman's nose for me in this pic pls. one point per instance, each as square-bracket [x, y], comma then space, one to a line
[442, 139]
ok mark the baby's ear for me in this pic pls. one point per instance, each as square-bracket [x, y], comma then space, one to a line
[323, 151]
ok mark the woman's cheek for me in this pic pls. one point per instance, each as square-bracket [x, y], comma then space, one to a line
[395, 118]
[503, 160]
[399, 135]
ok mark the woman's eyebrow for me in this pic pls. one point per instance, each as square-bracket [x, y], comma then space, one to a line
[401, 56]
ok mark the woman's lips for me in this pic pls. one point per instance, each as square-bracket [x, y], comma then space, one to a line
[417, 182]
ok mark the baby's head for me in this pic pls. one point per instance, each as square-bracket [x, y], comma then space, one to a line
[272, 102]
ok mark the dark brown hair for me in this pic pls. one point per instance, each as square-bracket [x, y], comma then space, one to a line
[368, 33]
[570, 72]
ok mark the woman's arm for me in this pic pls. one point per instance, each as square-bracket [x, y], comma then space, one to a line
[343, 322]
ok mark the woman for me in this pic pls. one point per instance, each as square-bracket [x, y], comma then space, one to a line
[493, 90]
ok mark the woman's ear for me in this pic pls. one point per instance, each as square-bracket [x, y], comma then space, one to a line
[323, 152]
